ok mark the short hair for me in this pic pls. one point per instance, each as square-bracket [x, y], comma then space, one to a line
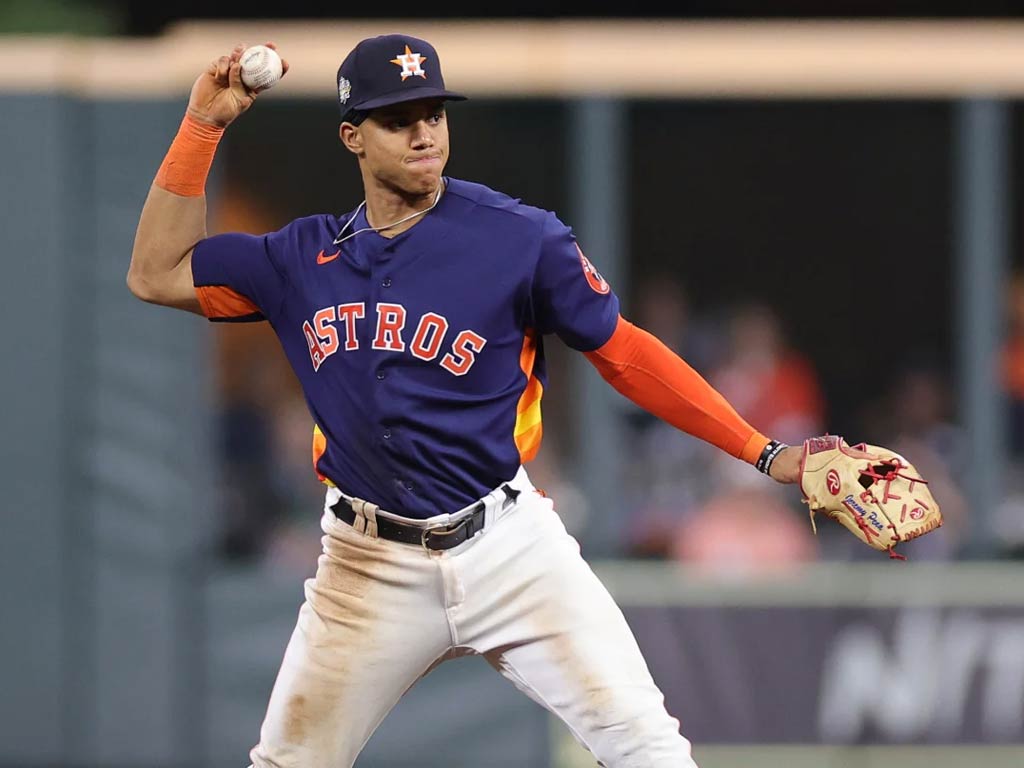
[355, 116]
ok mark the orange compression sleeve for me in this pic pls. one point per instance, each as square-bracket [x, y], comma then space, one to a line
[187, 163]
[643, 369]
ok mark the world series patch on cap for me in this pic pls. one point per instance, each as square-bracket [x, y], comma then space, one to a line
[389, 69]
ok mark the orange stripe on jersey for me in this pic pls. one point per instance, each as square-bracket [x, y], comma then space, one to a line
[319, 449]
[528, 442]
[219, 301]
[528, 430]
[643, 369]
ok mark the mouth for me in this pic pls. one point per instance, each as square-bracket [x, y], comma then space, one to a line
[426, 160]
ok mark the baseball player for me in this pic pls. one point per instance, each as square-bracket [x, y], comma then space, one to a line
[416, 324]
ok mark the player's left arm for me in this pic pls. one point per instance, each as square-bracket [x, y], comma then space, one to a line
[571, 298]
[640, 367]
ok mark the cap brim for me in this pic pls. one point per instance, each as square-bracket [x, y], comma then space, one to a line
[407, 94]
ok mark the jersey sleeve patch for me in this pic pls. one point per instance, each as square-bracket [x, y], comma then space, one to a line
[583, 312]
[594, 278]
[219, 302]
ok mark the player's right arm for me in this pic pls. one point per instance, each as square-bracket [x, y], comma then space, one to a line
[173, 217]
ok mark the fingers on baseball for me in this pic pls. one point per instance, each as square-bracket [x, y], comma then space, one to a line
[223, 66]
[240, 89]
[284, 62]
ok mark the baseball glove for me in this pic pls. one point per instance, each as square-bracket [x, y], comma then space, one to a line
[875, 493]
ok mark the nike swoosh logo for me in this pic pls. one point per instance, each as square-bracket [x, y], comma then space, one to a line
[321, 259]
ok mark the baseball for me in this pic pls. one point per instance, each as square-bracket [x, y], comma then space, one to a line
[261, 67]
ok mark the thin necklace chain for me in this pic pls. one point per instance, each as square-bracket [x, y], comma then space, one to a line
[339, 239]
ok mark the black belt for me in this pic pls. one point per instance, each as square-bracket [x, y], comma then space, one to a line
[444, 537]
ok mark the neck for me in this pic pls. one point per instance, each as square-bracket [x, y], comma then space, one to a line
[386, 205]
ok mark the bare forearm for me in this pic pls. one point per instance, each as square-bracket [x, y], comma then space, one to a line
[169, 228]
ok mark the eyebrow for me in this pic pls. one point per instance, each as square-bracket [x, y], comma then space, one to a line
[406, 112]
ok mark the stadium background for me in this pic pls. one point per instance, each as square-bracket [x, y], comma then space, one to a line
[834, 250]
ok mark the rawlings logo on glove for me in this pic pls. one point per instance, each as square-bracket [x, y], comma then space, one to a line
[875, 493]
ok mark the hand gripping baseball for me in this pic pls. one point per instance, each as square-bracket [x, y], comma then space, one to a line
[218, 95]
[875, 493]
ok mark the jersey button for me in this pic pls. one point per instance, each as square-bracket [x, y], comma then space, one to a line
[386, 282]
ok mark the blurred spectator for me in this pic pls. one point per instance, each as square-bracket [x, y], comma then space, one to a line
[249, 501]
[1008, 518]
[770, 384]
[745, 529]
[252, 374]
[663, 308]
[667, 472]
[1013, 363]
[293, 543]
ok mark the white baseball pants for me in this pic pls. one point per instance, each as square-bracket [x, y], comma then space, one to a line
[380, 614]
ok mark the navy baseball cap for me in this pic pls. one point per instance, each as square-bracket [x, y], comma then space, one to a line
[389, 69]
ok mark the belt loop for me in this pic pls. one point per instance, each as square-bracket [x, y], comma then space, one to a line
[497, 501]
[359, 523]
[492, 506]
[366, 517]
[370, 511]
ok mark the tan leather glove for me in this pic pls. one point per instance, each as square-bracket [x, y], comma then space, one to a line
[875, 493]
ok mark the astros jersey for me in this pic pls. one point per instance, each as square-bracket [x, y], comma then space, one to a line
[420, 356]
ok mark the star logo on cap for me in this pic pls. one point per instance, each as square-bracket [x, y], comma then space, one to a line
[410, 64]
[344, 90]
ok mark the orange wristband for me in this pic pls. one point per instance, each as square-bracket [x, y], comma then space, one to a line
[187, 163]
[754, 447]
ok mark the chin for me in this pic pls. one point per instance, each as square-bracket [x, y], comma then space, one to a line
[426, 181]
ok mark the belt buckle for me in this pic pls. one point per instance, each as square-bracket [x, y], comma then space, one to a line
[440, 531]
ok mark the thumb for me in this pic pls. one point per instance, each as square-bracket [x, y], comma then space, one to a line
[859, 452]
[239, 90]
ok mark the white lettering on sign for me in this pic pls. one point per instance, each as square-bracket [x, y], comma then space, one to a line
[916, 684]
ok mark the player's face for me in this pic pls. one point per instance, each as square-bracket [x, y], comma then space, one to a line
[405, 146]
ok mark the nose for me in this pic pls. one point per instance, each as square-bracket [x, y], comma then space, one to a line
[423, 138]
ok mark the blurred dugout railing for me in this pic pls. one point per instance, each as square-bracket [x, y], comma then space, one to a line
[122, 644]
[570, 59]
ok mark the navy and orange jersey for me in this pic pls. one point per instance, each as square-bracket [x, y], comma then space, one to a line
[420, 356]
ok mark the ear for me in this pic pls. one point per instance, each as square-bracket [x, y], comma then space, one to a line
[352, 139]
